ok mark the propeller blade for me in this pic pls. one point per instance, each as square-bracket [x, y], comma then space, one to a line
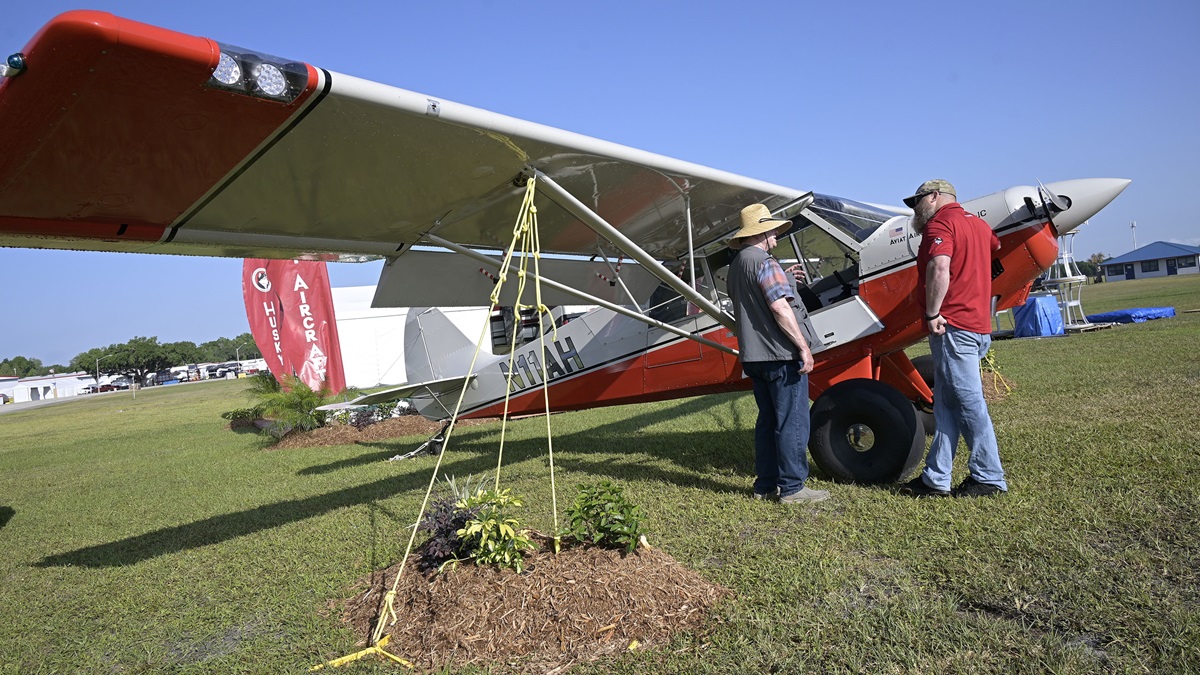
[1049, 198]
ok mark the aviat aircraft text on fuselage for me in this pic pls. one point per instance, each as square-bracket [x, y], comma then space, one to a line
[120, 136]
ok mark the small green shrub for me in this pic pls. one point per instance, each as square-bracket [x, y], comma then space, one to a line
[493, 536]
[244, 414]
[261, 383]
[294, 407]
[443, 519]
[386, 410]
[469, 487]
[603, 516]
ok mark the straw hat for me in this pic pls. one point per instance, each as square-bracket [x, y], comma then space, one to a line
[756, 219]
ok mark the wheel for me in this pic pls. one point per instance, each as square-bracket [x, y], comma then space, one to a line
[924, 366]
[865, 431]
[926, 420]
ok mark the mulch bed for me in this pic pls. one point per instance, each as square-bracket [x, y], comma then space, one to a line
[346, 434]
[577, 606]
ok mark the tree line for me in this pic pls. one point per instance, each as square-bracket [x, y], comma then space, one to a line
[142, 356]
[138, 357]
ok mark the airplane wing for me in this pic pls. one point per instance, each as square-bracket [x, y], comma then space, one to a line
[119, 136]
[430, 389]
[407, 283]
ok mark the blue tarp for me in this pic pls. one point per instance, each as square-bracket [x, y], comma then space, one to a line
[1132, 315]
[1038, 317]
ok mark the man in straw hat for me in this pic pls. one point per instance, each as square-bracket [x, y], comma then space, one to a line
[775, 356]
[954, 289]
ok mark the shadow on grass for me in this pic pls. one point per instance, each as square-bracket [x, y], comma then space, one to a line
[228, 526]
[369, 458]
[388, 449]
[730, 448]
[6, 514]
[723, 451]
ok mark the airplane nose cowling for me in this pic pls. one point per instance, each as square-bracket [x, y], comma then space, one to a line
[1087, 197]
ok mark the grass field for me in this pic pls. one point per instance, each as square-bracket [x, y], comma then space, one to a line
[142, 536]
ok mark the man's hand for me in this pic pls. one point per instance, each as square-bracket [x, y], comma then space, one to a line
[806, 360]
[797, 272]
[937, 325]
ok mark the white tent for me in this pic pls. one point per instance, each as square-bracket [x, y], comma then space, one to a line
[372, 339]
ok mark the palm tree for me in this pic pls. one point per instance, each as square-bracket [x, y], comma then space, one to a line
[289, 405]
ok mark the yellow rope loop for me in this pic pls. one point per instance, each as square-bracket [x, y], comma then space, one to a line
[389, 602]
[377, 648]
[544, 311]
[526, 222]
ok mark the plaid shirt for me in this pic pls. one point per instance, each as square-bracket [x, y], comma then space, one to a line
[773, 282]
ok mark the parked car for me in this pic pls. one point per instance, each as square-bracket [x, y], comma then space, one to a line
[218, 371]
[165, 377]
[120, 383]
[106, 387]
[90, 389]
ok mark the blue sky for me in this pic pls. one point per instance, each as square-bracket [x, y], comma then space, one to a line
[859, 99]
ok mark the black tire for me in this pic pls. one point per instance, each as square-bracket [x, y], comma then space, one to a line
[926, 420]
[873, 411]
[924, 366]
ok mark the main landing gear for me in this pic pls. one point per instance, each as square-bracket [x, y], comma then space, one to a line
[430, 447]
[865, 431]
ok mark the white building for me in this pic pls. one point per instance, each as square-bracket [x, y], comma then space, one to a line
[20, 390]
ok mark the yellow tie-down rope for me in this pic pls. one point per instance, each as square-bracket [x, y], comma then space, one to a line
[526, 233]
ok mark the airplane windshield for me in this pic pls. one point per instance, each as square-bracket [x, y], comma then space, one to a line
[855, 218]
[822, 254]
[826, 235]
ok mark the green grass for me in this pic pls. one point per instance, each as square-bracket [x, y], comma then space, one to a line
[142, 536]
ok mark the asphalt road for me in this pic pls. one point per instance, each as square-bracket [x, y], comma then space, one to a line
[27, 405]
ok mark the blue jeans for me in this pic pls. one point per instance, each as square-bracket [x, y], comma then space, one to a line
[959, 409]
[781, 432]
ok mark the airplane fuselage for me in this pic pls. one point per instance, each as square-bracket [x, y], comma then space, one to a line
[603, 358]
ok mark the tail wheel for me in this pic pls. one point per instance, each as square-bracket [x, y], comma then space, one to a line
[864, 431]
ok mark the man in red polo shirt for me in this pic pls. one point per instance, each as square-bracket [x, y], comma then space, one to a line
[954, 289]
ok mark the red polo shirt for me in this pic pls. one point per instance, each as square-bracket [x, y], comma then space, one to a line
[969, 242]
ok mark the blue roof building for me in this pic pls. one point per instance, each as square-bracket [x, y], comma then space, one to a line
[1160, 259]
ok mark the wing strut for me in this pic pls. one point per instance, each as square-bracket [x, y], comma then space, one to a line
[601, 227]
[590, 299]
[616, 272]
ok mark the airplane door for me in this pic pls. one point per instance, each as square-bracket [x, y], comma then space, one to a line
[677, 351]
[1129, 272]
[663, 348]
[1171, 267]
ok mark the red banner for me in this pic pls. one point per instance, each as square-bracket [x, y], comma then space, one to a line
[290, 308]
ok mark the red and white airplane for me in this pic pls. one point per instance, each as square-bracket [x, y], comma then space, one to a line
[120, 136]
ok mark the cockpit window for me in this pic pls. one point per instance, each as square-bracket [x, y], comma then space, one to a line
[855, 218]
[821, 252]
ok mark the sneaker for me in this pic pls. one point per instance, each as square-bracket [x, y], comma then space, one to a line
[918, 488]
[762, 496]
[805, 496]
[973, 488]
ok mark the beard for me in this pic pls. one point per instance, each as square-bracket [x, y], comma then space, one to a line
[922, 215]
